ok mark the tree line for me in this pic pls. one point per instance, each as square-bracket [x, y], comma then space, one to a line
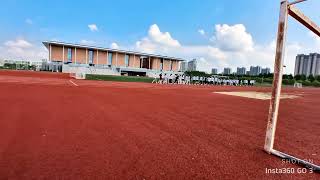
[287, 79]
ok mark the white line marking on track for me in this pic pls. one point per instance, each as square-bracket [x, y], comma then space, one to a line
[73, 83]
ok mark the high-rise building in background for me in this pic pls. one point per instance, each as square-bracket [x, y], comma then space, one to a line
[255, 70]
[241, 71]
[227, 71]
[183, 66]
[214, 71]
[192, 65]
[307, 64]
[265, 71]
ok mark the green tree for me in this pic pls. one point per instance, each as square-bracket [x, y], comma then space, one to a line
[286, 76]
[197, 73]
[297, 77]
[311, 78]
[290, 76]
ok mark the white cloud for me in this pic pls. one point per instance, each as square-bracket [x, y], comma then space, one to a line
[316, 39]
[163, 38]
[157, 40]
[232, 47]
[202, 32]
[114, 45]
[18, 43]
[29, 21]
[22, 49]
[87, 42]
[93, 27]
[232, 38]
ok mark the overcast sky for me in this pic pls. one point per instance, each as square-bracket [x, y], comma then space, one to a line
[218, 33]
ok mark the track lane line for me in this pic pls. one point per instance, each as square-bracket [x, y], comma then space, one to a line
[73, 83]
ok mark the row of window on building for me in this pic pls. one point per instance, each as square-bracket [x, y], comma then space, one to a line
[307, 64]
[126, 59]
[90, 57]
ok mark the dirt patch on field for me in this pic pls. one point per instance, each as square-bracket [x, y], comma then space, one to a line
[258, 95]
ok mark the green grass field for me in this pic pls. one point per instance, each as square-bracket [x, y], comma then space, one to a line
[119, 78]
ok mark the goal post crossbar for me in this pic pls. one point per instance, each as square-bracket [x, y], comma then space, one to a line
[286, 9]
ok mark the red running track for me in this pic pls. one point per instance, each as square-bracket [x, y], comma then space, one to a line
[52, 129]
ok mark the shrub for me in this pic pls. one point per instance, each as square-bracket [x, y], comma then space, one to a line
[306, 83]
[288, 81]
[119, 78]
[316, 83]
[285, 81]
[268, 80]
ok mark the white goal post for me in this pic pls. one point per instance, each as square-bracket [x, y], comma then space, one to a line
[286, 9]
[78, 75]
[297, 85]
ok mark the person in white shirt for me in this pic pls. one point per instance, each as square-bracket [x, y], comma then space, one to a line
[165, 79]
[181, 79]
[171, 78]
[155, 76]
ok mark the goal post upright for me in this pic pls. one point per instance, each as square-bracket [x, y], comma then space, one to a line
[286, 9]
[277, 77]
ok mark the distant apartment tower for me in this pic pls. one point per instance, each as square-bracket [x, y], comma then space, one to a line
[255, 70]
[227, 71]
[241, 71]
[183, 66]
[265, 71]
[214, 71]
[192, 65]
[307, 64]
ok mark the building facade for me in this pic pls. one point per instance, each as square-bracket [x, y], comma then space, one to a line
[255, 70]
[183, 66]
[192, 65]
[226, 71]
[265, 71]
[241, 71]
[214, 71]
[307, 64]
[120, 61]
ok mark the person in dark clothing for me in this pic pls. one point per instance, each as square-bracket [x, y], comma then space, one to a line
[160, 78]
[176, 79]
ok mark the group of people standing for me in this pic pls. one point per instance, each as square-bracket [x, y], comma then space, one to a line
[164, 78]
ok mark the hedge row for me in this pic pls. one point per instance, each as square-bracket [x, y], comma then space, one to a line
[119, 78]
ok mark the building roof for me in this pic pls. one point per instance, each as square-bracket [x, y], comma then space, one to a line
[46, 43]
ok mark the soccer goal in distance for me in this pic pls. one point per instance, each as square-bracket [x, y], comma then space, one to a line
[78, 75]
